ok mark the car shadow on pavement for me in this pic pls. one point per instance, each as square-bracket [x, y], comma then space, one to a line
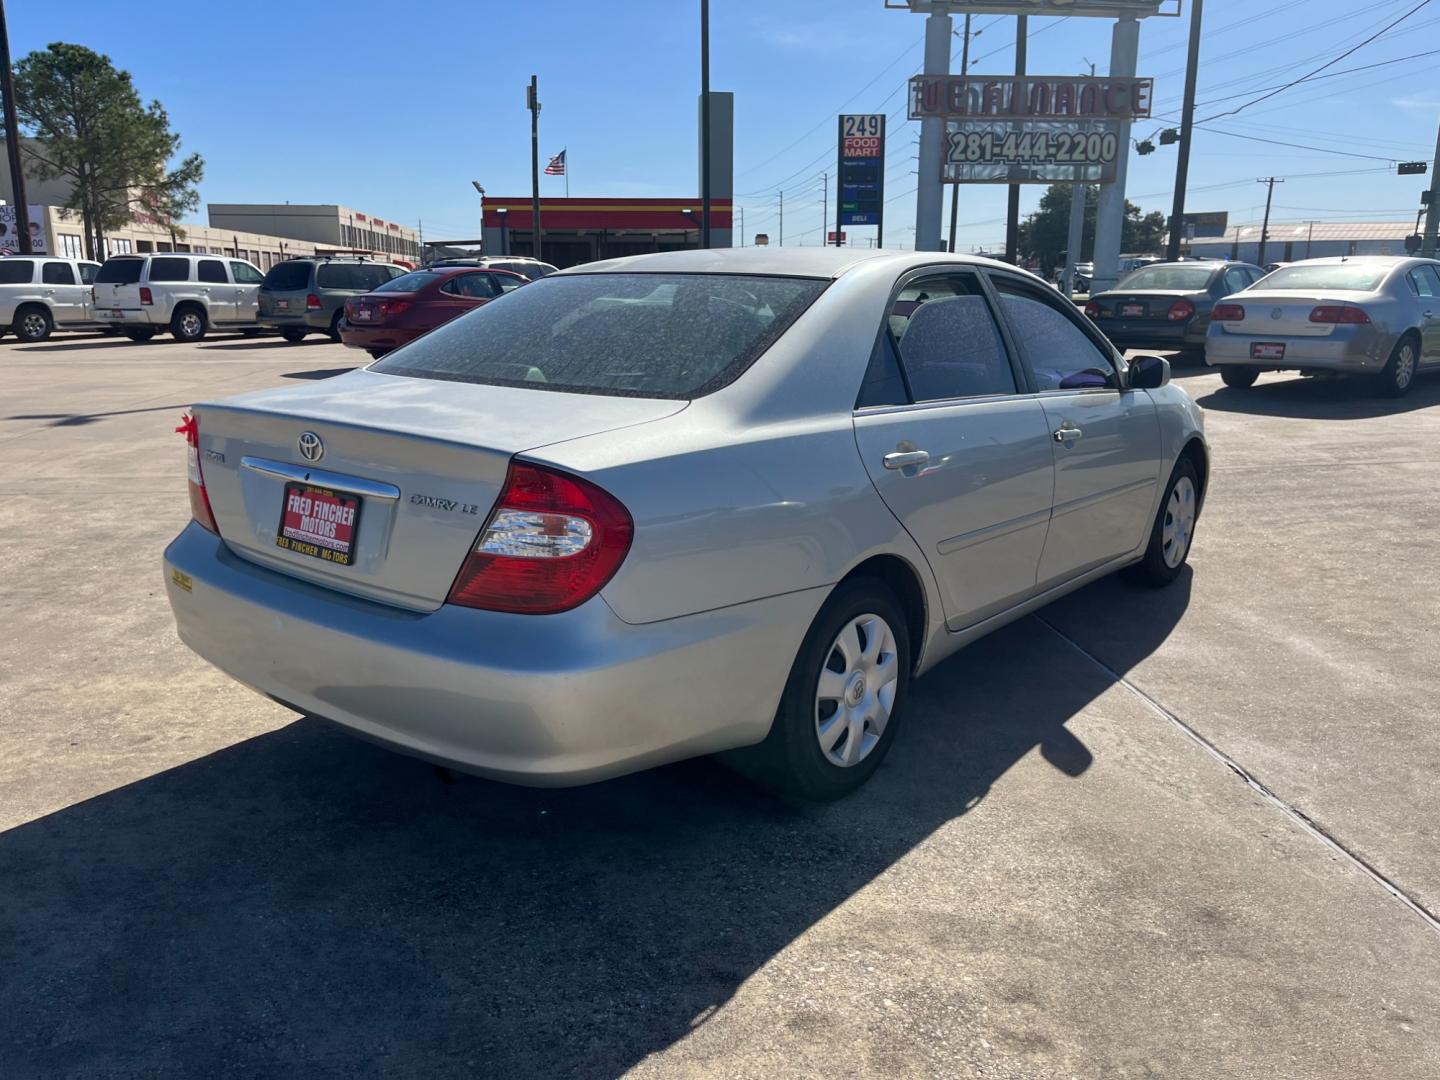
[316, 373]
[304, 903]
[1321, 399]
[264, 343]
[81, 419]
[99, 342]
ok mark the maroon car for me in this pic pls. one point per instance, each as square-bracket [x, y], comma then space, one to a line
[407, 306]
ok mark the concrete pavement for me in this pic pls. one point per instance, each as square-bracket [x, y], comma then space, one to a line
[1048, 878]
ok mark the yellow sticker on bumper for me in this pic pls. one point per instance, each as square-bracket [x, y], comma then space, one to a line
[182, 580]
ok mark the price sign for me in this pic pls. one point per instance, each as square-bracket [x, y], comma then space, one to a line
[1030, 152]
[861, 198]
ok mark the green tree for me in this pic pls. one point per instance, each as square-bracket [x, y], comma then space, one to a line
[1043, 235]
[90, 127]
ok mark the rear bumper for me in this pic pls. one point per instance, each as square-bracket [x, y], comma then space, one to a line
[295, 320]
[1346, 348]
[546, 700]
[1153, 335]
[376, 337]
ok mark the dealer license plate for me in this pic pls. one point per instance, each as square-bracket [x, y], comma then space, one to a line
[319, 522]
[117, 313]
[363, 314]
[283, 305]
[1267, 350]
[1128, 311]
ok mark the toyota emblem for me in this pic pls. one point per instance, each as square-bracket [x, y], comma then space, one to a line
[311, 448]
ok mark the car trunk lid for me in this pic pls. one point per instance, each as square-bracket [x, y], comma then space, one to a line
[378, 485]
[1284, 313]
[1144, 304]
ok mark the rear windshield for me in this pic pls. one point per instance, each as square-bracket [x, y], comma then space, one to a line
[411, 282]
[631, 335]
[288, 277]
[120, 272]
[16, 271]
[1358, 276]
[361, 277]
[1189, 278]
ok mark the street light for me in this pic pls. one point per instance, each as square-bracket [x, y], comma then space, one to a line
[481, 189]
[504, 238]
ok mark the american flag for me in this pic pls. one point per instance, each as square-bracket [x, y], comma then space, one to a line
[557, 165]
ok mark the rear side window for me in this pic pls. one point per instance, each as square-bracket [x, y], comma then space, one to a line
[88, 272]
[16, 271]
[119, 272]
[677, 336]
[474, 286]
[947, 339]
[357, 277]
[1060, 354]
[245, 274]
[53, 273]
[1425, 281]
[288, 277]
[1236, 278]
[163, 269]
[211, 270]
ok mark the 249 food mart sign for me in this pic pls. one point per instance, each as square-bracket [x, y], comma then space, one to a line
[861, 170]
[1037, 129]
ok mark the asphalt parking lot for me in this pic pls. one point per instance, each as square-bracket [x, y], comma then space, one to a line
[1059, 872]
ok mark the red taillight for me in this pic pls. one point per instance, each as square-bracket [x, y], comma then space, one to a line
[146, 297]
[1339, 313]
[199, 499]
[312, 302]
[1092, 310]
[552, 542]
[392, 307]
[1227, 313]
[1180, 310]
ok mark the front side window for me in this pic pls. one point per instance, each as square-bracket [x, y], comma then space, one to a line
[16, 271]
[163, 269]
[245, 274]
[57, 273]
[211, 270]
[947, 340]
[676, 336]
[1060, 354]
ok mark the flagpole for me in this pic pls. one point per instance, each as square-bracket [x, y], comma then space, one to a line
[566, 151]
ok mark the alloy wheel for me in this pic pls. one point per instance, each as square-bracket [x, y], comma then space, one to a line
[33, 326]
[856, 690]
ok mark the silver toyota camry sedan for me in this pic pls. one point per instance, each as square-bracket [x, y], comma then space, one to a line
[677, 504]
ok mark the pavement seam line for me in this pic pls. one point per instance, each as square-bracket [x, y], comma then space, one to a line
[1298, 816]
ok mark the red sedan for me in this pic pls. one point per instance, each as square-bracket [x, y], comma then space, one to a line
[407, 306]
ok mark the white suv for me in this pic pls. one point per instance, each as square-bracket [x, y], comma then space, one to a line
[39, 293]
[188, 294]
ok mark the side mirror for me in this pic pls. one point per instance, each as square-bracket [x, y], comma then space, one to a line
[1149, 372]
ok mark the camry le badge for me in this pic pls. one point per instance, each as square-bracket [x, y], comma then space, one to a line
[311, 448]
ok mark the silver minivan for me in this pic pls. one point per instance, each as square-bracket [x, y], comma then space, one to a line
[42, 293]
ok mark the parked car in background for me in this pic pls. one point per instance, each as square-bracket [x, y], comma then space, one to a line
[530, 269]
[42, 293]
[402, 309]
[1376, 315]
[307, 295]
[1167, 305]
[684, 503]
[189, 295]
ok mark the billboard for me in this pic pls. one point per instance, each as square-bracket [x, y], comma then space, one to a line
[1041, 97]
[10, 238]
[1113, 9]
[861, 198]
[1196, 226]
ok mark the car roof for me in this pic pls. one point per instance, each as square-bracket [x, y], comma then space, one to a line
[817, 262]
[1347, 260]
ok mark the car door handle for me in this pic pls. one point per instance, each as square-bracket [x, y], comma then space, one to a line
[902, 459]
[1067, 433]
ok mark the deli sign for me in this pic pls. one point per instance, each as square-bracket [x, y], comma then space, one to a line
[1037, 97]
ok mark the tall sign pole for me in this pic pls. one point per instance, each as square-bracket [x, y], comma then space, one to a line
[705, 123]
[1110, 208]
[930, 190]
[955, 188]
[1012, 206]
[1187, 118]
[532, 102]
[12, 138]
[1432, 212]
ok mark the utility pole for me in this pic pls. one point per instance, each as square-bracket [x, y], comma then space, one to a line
[955, 188]
[1012, 210]
[1187, 119]
[1432, 212]
[742, 226]
[1265, 228]
[12, 138]
[825, 210]
[782, 218]
[532, 102]
[705, 123]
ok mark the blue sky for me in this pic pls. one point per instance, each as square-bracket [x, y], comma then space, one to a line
[394, 109]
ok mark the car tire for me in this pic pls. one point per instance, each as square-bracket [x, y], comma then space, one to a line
[1399, 373]
[188, 323]
[293, 336]
[334, 330]
[1173, 530]
[869, 678]
[1237, 377]
[139, 335]
[33, 323]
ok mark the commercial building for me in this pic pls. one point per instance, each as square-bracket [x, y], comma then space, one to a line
[327, 226]
[1289, 241]
[582, 230]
